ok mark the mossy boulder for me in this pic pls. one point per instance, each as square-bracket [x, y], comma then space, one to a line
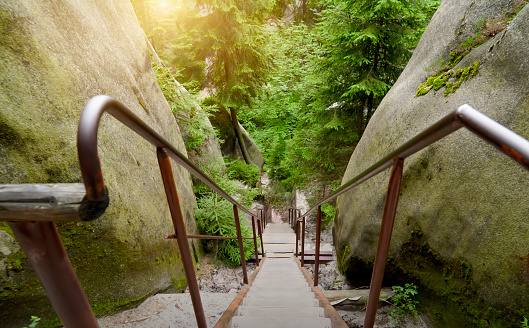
[462, 229]
[55, 56]
[221, 120]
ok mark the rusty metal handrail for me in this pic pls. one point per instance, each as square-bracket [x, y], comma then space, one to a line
[41, 242]
[505, 140]
[96, 190]
[89, 159]
[486, 128]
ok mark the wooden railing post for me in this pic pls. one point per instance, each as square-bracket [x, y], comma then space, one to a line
[384, 239]
[241, 247]
[181, 235]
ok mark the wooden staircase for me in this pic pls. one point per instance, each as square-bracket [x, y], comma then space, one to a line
[280, 293]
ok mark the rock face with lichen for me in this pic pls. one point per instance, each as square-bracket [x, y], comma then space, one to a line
[462, 229]
[221, 120]
[55, 56]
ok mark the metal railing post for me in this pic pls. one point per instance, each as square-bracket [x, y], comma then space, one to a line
[181, 235]
[43, 247]
[317, 250]
[384, 239]
[296, 228]
[261, 237]
[241, 247]
[303, 241]
[255, 242]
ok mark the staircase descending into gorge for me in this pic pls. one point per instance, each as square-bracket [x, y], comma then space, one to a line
[281, 294]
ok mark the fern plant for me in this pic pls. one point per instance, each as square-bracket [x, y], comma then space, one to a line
[247, 173]
[215, 217]
[328, 215]
[525, 323]
[404, 302]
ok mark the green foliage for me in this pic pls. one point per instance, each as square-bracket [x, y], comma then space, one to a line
[328, 212]
[342, 260]
[228, 37]
[192, 119]
[366, 45]
[404, 302]
[473, 41]
[215, 217]
[326, 81]
[247, 173]
[525, 323]
[34, 322]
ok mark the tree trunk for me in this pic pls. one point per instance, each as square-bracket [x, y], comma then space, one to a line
[238, 134]
[370, 109]
[361, 115]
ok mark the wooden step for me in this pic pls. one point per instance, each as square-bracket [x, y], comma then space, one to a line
[280, 283]
[313, 252]
[281, 302]
[270, 311]
[311, 259]
[280, 288]
[297, 295]
[263, 322]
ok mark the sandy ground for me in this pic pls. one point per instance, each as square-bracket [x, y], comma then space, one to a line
[218, 287]
[170, 311]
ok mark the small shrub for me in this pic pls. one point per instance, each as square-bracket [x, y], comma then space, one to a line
[215, 217]
[525, 323]
[34, 322]
[404, 302]
[328, 215]
[192, 119]
[247, 173]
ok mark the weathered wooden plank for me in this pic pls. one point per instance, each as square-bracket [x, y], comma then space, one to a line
[47, 202]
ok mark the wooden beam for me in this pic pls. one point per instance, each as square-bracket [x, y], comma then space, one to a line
[48, 202]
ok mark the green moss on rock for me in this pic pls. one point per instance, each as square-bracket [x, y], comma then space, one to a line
[446, 288]
[422, 90]
[436, 82]
[448, 88]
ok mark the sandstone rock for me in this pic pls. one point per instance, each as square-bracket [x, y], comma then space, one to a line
[55, 56]
[222, 122]
[463, 205]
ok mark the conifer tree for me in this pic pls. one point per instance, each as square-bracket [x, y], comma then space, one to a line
[228, 37]
[367, 44]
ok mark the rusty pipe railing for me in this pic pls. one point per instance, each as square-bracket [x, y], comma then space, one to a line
[96, 190]
[486, 128]
[505, 140]
[40, 240]
[89, 159]
[300, 239]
